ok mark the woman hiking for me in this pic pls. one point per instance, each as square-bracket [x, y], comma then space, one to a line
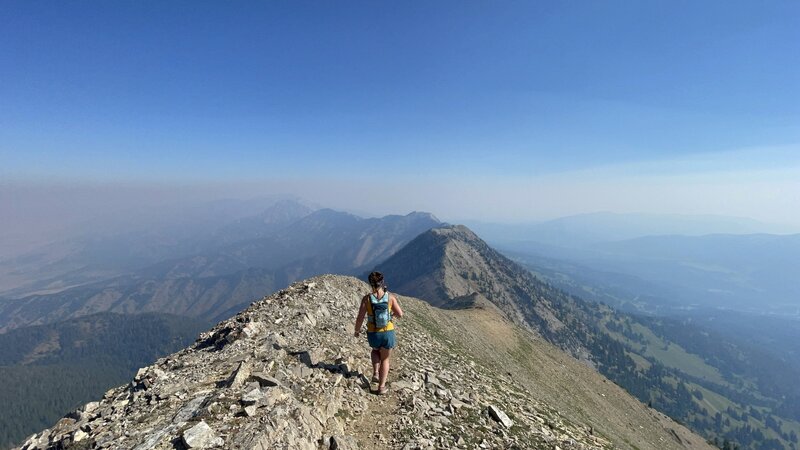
[379, 306]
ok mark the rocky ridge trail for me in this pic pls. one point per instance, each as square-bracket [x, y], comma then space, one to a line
[288, 373]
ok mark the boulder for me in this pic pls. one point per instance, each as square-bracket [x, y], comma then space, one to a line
[201, 436]
[252, 329]
[263, 379]
[343, 443]
[498, 415]
[240, 375]
[253, 396]
[189, 410]
[250, 410]
[79, 436]
[276, 341]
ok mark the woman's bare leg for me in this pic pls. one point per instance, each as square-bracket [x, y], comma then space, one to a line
[376, 362]
[384, 363]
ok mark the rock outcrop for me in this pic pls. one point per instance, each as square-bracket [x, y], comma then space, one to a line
[288, 373]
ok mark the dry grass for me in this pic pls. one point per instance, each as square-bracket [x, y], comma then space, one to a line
[578, 392]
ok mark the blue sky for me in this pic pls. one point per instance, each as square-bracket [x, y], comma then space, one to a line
[475, 95]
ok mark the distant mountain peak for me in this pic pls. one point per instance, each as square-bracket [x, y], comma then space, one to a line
[423, 215]
[285, 207]
[449, 265]
[329, 212]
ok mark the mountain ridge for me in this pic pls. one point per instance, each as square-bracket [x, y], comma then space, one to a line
[286, 372]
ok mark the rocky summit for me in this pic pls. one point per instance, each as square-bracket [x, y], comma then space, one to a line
[287, 373]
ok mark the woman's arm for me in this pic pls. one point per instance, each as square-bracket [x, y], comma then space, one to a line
[362, 311]
[396, 310]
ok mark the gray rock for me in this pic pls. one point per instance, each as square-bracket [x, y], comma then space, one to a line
[457, 404]
[431, 380]
[140, 374]
[343, 443]
[301, 371]
[104, 440]
[201, 436]
[250, 410]
[400, 385]
[275, 395]
[240, 375]
[79, 436]
[500, 416]
[189, 410]
[276, 341]
[263, 379]
[253, 396]
[91, 407]
[154, 438]
[252, 329]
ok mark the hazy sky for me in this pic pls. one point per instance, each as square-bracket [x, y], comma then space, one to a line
[484, 110]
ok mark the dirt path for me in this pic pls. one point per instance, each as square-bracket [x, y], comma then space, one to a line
[377, 426]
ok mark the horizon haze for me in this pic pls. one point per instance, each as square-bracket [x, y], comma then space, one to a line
[509, 112]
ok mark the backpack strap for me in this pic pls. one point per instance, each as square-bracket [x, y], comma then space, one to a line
[370, 312]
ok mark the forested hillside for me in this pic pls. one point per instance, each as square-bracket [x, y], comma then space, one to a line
[46, 371]
[723, 388]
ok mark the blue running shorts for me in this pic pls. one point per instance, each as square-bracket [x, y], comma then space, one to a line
[381, 339]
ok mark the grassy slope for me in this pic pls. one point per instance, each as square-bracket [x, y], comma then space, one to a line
[671, 354]
[577, 391]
